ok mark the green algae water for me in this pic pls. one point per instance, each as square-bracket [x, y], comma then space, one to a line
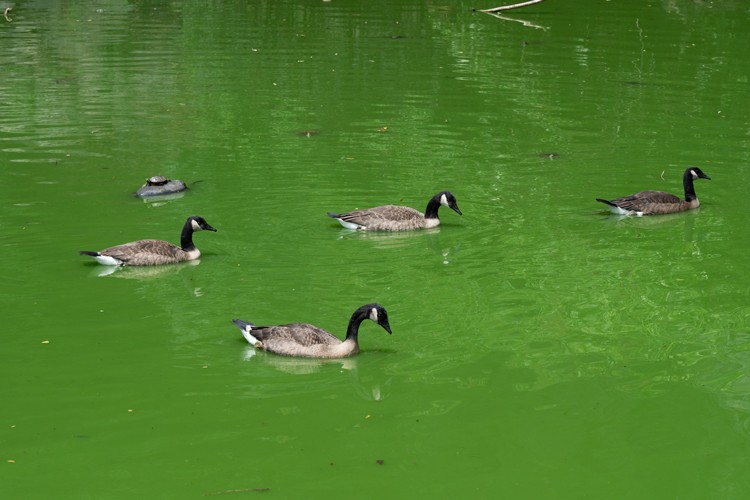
[541, 348]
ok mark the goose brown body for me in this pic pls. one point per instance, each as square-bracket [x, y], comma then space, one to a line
[154, 252]
[310, 341]
[658, 202]
[149, 253]
[396, 217]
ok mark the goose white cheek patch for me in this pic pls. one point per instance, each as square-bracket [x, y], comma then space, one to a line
[374, 315]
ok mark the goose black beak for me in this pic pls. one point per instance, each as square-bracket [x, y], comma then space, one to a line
[387, 328]
[456, 209]
[210, 228]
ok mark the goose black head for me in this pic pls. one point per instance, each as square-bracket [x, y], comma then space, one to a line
[698, 173]
[378, 314]
[448, 200]
[198, 223]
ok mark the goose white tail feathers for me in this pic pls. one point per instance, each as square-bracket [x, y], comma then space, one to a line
[246, 327]
[345, 224]
[104, 260]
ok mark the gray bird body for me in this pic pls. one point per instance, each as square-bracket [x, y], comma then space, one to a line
[658, 202]
[309, 341]
[154, 252]
[396, 217]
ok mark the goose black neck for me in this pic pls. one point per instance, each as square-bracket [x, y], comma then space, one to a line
[687, 182]
[186, 237]
[352, 331]
[431, 212]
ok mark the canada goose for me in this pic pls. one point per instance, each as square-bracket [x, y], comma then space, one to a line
[658, 202]
[309, 341]
[397, 218]
[159, 185]
[154, 252]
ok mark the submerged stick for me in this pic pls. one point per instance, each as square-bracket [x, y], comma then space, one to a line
[508, 7]
[525, 23]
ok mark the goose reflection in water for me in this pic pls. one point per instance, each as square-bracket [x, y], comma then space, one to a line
[647, 222]
[369, 391]
[389, 239]
[141, 273]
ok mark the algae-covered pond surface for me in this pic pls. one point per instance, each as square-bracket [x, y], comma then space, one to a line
[541, 348]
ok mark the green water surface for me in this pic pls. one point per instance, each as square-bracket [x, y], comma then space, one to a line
[541, 348]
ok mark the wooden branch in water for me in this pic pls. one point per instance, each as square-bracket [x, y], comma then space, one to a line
[508, 7]
[525, 23]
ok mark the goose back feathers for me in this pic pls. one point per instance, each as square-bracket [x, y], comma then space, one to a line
[659, 202]
[310, 341]
[154, 252]
[397, 218]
